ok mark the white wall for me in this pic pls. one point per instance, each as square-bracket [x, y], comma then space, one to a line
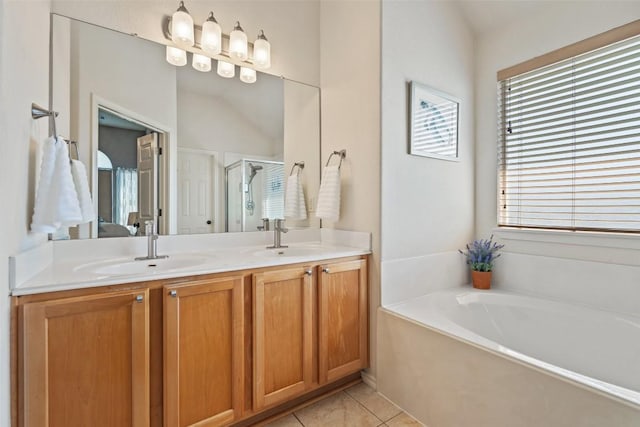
[548, 255]
[427, 203]
[291, 26]
[24, 67]
[350, 105]
[210, 123]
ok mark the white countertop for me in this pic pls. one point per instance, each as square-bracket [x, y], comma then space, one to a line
[64, 268]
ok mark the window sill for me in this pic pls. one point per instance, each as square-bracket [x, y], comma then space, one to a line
[615, 248]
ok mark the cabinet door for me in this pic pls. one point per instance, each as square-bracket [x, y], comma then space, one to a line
[282, 335]
[342, 319]
[203, 352]
[86, 361]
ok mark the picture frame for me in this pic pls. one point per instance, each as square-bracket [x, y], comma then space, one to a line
[433, 123]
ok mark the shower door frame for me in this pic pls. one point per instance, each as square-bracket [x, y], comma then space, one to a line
[242, 163]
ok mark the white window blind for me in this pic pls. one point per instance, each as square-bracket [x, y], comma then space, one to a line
[569, 151]
[273, 200]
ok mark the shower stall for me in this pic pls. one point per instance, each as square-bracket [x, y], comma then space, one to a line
[254, 190]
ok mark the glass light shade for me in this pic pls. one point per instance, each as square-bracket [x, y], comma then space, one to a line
[226, 69]
[201, 63]
[182, 32]
[238, 47]
[248, 75]
[211, 36]
[262, 52]
[176, 56]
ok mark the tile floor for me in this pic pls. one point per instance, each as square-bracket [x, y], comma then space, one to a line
[357, 406]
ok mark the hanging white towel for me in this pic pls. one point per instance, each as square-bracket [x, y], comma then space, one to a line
[57, 201]
[329, 194]
[79, 173]
[294, 204]
[43, 212]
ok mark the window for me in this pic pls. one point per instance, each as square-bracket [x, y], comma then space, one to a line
[569, 141]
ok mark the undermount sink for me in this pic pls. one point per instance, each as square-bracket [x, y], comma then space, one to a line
[289, 252]
[128, 266]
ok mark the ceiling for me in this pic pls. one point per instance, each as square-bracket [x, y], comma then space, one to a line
[483, 15]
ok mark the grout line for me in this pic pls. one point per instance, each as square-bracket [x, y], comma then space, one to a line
[380, 395]
[299, 420]
[366, 409]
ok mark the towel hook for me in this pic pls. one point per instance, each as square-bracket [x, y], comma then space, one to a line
[300, 166]
[38, 112]
[342, 153]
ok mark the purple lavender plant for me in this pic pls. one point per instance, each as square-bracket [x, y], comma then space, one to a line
[481, 254]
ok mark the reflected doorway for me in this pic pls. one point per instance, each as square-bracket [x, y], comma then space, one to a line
[128, 193]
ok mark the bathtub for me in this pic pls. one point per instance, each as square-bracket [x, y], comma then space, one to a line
[535, 361]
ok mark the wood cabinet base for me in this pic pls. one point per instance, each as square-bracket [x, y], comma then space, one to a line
[234, 348]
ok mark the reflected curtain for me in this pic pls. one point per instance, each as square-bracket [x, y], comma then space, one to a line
[126, 194]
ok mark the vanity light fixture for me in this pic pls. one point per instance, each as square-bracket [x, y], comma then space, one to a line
[182, 32]
[262, 52]
[208, 42]
[211, 36]
[176, 56]
[201, 63]
[238, 47]
[248, 75]
[226, 69]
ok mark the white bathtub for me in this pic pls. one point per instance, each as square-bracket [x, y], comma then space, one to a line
[595, 350]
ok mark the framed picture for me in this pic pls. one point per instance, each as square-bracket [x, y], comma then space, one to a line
[433, 122]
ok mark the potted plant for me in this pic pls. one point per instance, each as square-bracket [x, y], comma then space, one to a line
[480, 256]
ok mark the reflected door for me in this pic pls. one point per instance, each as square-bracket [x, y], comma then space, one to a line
[147, 178]
[195, 192]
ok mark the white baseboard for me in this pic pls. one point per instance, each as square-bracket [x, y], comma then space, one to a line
[368, 379]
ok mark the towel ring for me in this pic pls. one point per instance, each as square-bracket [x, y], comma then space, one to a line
[71, 143]
[341, 153]
[300, 166]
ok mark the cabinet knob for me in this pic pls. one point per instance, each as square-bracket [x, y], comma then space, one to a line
[173, 293]
[325, 270]
[139, 298]
[308, 272]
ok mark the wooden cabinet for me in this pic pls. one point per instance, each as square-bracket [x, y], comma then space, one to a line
[209, 350]
[203, 352]
[342, 319]
[86, 361]
[282, 335]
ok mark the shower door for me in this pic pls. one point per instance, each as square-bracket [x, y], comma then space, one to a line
[254, 190]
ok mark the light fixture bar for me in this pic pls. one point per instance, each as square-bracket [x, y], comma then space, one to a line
[224, 54]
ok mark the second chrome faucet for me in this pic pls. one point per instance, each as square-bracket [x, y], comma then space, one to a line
[152, 242]
[278, 229]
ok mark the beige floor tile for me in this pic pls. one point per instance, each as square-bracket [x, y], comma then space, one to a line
[339, 410]
[373, 401]
[288, 421]
[402, 420]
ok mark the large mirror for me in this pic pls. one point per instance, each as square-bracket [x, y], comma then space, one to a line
[196, 152]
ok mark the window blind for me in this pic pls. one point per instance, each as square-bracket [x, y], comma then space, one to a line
[273, 200]
[569, 143]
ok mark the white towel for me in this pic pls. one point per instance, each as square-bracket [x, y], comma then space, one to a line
[329, 194]
[294, 204]
[79, 173]
[57, 201]
[42, 220]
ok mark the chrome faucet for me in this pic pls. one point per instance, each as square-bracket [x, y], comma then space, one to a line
[152, 242]
[278, 229]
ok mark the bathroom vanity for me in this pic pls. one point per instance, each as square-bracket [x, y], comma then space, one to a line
[224, 348]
